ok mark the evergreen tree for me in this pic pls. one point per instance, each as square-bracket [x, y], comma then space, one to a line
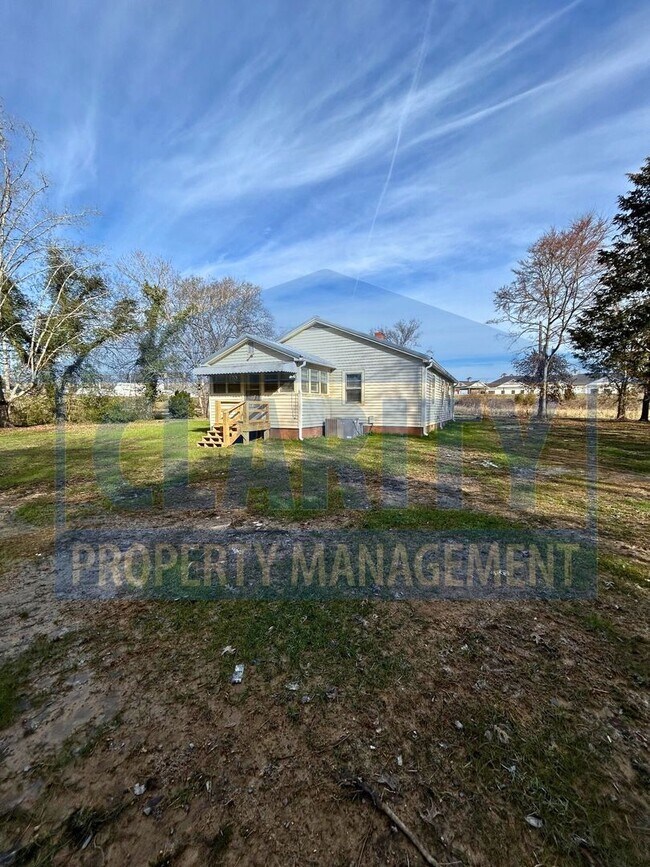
[614, 330]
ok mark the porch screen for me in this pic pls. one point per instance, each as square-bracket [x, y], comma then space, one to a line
[227, 383]
[278, 381]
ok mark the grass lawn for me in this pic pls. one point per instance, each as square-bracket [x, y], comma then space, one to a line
[500, 732]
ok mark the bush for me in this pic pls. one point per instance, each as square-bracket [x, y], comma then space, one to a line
[37, 408]
[106, 409]
[181, 405]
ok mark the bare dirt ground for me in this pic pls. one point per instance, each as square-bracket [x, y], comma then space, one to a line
[498, 732]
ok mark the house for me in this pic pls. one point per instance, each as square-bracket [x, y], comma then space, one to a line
[584, 383]
[323, 378]
[128, 389]
[509, 384]
[471, 386]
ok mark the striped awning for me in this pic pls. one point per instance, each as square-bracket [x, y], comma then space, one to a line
[247, 367]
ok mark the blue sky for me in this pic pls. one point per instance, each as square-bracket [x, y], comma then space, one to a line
[418, 145]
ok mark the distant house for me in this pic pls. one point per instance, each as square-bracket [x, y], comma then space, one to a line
[323, 378]
[170, 386]
[584, 383]
[471, 386]
[509, 384]
[128, 389]
[97, 388]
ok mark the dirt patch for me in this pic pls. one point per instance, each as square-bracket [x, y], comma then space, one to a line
[500, 732]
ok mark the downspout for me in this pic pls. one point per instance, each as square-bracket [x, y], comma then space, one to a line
[299, 378]
[424, 415]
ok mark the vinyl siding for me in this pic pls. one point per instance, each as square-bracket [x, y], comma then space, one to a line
[248, 353]
[439, 401]
[392, 384]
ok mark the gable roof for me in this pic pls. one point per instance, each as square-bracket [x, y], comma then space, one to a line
[475, 383]
[502, 380]
[290, 353]
[586, 378]
[369, 338]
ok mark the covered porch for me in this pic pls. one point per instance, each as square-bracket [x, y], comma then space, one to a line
[256, 388]
[237, 408]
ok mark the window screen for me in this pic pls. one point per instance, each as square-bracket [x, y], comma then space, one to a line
[228, 384]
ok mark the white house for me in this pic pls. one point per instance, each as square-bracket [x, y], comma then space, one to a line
[128, 389]
[584, 383]
[509, 384]
[471, 386]
[323, 378]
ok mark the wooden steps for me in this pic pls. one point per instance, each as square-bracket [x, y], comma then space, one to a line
[213, 439]
[236, 421]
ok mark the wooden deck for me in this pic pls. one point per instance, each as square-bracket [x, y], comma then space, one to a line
[234, 421]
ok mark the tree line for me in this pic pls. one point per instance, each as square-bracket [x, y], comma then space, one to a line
[587, 287]
[67, 315]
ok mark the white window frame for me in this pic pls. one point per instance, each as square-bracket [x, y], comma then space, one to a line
[360, 373]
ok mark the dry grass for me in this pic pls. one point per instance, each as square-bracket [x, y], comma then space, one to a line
[575, 408]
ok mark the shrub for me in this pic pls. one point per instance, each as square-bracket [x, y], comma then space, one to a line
[106, 409]
[181, 405]
[36, 408]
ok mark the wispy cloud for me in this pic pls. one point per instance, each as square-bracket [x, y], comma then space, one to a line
[276, 139]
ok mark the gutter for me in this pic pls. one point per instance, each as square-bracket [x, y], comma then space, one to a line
[424, 413]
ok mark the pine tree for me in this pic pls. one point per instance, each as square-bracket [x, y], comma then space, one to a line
[615, 329]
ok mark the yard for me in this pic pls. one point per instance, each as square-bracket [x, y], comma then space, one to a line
[497, 731]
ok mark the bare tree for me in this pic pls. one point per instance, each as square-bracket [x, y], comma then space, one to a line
[218, 311]
[404, 332]
[552, 285]
[28, 228]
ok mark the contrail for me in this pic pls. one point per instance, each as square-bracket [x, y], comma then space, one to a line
[400, 126]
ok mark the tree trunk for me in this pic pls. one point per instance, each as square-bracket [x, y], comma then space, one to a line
[645, 406]
[542, 406]
[5, 383]
[59, 402]
[4, 406]
[204, 395]
[621, 405]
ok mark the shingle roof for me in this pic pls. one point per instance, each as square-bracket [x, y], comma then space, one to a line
[585, 378]
[384, 344]
[507, 378]
[466, 383]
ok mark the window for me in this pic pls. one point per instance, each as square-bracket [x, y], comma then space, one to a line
[314, 378]
[304, 379]
[353, 387]
[324, 382]
[228, 383]
[277, 382]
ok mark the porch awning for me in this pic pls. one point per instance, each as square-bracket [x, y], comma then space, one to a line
[247, 367]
